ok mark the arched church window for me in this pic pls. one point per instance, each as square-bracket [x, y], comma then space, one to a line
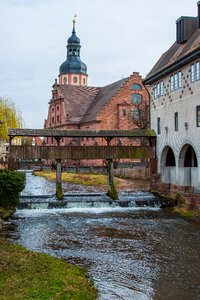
[70, 51]
[65, 80]
[84, 81]
[75, 79]
[136, 87]
[136, 99]
[74, 51]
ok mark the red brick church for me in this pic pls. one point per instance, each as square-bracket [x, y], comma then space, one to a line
[75, 105]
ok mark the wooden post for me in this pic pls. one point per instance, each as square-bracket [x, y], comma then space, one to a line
[112, 192]
[10, 159]
[59, 191]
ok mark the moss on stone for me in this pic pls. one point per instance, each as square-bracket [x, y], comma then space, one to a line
[59, 191]
[6, 213]
[112, 193]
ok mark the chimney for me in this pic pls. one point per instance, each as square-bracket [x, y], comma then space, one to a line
[198, 16]
[185, 27]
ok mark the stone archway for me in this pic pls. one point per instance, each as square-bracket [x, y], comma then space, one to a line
[168, 165]
[188, 166]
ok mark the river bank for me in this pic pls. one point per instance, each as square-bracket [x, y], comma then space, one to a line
[28, 275]
[98, 181]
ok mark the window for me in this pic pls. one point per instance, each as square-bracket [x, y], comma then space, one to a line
[52, 109]
[172, 83]
[158, 89]
[136, 98]
[58, 119]
[192, 73]
[176, 121]
[123, 112]
[52, 120]
[136, 87]
[57, 107]
[198, 115]
[155, 91]
[197, 70]
[176, 81]
[75, 79]
[158, 125]
[84, 81]
[135, 113]
[161, 88]
[179, 79]
[65, 80]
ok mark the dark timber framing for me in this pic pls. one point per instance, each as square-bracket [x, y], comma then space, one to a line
[60, 153]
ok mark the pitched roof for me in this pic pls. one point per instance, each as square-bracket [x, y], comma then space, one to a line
[77, 99]
[176, 56]
[104, 95]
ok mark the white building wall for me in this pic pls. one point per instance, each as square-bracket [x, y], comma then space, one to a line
[184, 101]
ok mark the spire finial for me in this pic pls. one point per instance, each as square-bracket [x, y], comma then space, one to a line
[74, 21]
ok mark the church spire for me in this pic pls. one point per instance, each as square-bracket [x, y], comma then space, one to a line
[73, 65]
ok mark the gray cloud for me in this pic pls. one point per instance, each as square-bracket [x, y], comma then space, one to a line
[117, 38]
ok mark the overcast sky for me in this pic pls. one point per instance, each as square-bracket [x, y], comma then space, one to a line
[118, 37]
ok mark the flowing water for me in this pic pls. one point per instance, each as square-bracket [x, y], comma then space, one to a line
[132, 252]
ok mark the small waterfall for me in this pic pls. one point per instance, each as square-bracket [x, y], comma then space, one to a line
[98, 200]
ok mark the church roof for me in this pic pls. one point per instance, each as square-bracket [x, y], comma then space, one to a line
[83, 103]
[77, 99]
[104, 95]
[73, 65]
[175, 57]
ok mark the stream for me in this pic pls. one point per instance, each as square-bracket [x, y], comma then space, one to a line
[139, 253]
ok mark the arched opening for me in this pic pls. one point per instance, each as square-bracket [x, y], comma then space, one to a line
[188, 166]
[190, 158]
[168, 165]
[170, 158]
[187, 157]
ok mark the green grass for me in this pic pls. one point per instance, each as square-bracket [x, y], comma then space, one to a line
[85, 179]
[27, 275]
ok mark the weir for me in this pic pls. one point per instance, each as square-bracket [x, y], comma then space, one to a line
[60, 153]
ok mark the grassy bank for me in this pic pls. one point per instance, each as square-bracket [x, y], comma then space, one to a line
[85, 179]
[28, 275]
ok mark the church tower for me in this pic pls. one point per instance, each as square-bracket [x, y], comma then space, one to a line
[73, 71]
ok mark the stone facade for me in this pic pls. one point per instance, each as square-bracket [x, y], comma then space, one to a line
[174, 86]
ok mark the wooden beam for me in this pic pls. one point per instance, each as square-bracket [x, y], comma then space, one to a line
[133, 133]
